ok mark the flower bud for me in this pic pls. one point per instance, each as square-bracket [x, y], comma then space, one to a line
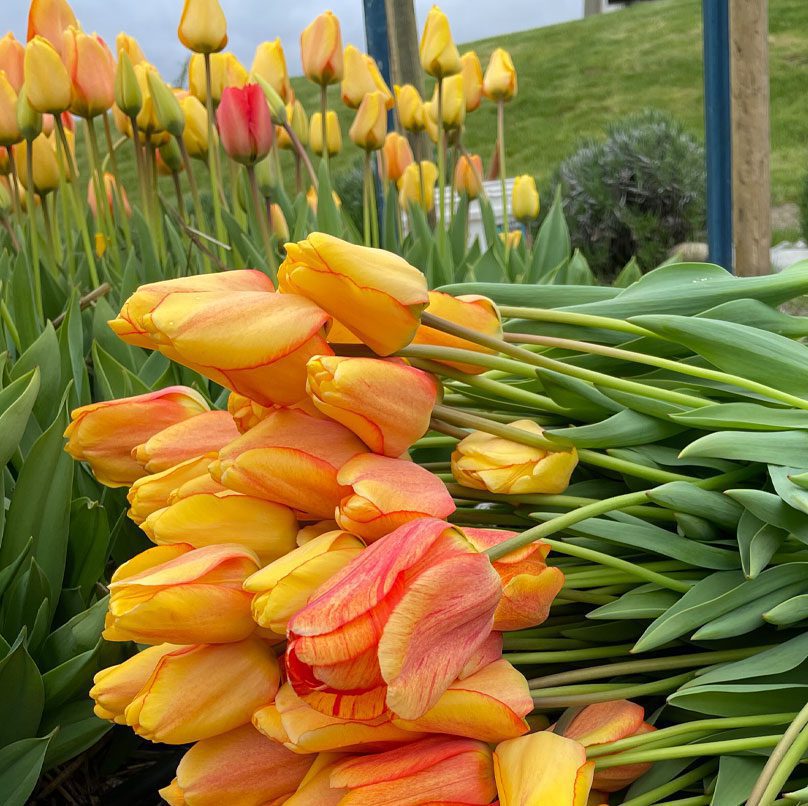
[370, 124]
[511, 239]
[29, 120]
[454, 103]
[439, 56]
[225, 71]
[203, 27]
[245, 126]
[332, 133]
[410, 108]
[195, 130]
[91, 68]
[298, 120]
[9, 128]
[417, 185]
[468, 175]
[269, 64]
[49, 19]
[525, 198]
[472, 73]
[128, 97]
[499, 82]
[129, 45]
[321, 50]
[111, 188]
[47, 177]
[12, 58]
[277, 223]
[47, 83]
[362, 77]
[167, 108]
[397, 156]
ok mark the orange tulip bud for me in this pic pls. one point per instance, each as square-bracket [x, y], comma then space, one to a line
[130, 46]
[9, 128]
[321, 50]
[397, 156]
[417, 185]
[525, 198]
[111, 187]
[422, 593]
[439, 56]
[410, 108]
[91, 68]
[370, 124]
[499, 82]
[12, 58]
[225, 71]
[468, 175]
[290, 458]
[270, 64]
[277, 223]
[485, 462]
[182, 595]
[377, 295]
[104, 434]
[332, 132]
[387, 404]
[529, 585]
[237, 767]
[361, 78]
[387, 493]
[49, 19]
[203, 27]
[47, 83]
[540, 769]
[472, 72]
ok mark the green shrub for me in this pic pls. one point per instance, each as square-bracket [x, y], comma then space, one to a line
[635, 194]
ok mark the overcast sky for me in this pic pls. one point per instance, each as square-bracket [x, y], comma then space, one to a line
[154, 22]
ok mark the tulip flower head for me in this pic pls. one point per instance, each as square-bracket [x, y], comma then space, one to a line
[111, 188]
[370, 124]
[397, 155]
[298, 121]
[453, 102]
[472, 72]
[410, 108]
[468, 175]
[525, 198]
[225, 71]
[130, 46]
[195, 130]
[9, 128]
[47, 82]
[203, 27]
[12, 60]
[321, 50]
[49, 19]
[91, 68]
[417, 185]
[333, 133]
[499, 82]
[269, 63]
[46, 175]
[245, 126]
[361, 77]
[439, 56]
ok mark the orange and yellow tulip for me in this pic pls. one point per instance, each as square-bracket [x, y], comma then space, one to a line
[49, 19]
[321, 50]
[386, 493]
[472, 79]
[91, 68]
[316, 786]
[311, 530]
[468, 175]
[362, 77]
[525, 198]
[12, 60]
[269, 63]
[377, 295]
[499, 82]
[417, 185]
[410, 107]
[333, 133]
[245, 412]
[180, 594]
[225, 71]
[397, 155]
[9, 128]
[104, 434]
[485, 462]
[439, 56]
[203, 27]
[47, 82]
[369, 127]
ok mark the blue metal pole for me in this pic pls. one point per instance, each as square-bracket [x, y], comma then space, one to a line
[718, 130]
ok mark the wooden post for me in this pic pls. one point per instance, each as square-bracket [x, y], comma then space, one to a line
[751, 180]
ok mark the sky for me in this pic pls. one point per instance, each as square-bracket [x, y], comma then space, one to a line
[154, 22]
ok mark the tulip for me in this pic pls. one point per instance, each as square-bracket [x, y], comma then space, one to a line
[12, 58]
[468, 175]
[396, 626]
[370, 124]
[525, 198]
[316, 786]
[49, 19]
[207, 518]
[9, 128]
[499, 82]
[195, 692]
[167, 107]
[47, 83]
[238, 767]
[298, 121]
[130, 46]
[307, 533]
[540, 769]
[245, 412]
[128, 97]
[225, 71]
[472, 73]
[290, 458]
[529, 585]
[410, 108]
[47, 177]
[377, 295]
[470, 310]
[91, 68]
[195, 130]
[285, 585]
[181, 594]
[203, 27]
[361, 78]
[333, 133]
[147, 121]
[417, 185]
[607, 722]
[245, 126]
[485, 462]
[104, 434]
[270, 64]
[321, 50]
[111, 187]
[511, 239]
[453, 103]
[397, 156]
[433, 770]
[439, 56]
[311, 199]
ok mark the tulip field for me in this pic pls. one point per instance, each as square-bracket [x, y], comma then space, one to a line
[305, 510]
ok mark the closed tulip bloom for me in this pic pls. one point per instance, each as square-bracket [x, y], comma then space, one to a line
[299, 123]
[499, 82]
[468, 175]
[245, 126]
[511, 239]
[49, 19]
[333, 133]
[91, 68]
[270, 64]
[397, 156]
[410, 108]
[203, 27]
[290, 458]
[417, 185]
[195, 131]
[277, 223]
[361, 77]
[437, 769]
[111, 188]
[285, 585]
[439, 56]
[525, 198]
[130, 46]
[540, 769]
[311, 199]
[104, 434]
[370, 124]
[245, 412]
[209, 518]
[12, 59]
[321, 50]
[199, 691]
[454, 102]
[472, 72]
[225, 71]
[9, 128]
[486, 462]
[377, 295]
[47, 83]
[147, 121]
[128, 97]
[182, 595]
[396, 626]
[240, 768]
[529, 585]
[316, 786]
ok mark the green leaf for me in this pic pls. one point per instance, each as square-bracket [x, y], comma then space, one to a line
[72, 678]
[552, 243]
[788, 611]
[16, 403]
[645, 602]
[576, 271]
[629, 274]
[458, 231]
[794, 495]
[21, 301]
[682, 496]
[78, 729]
[757, 543]
[643, 405]
[152, 269]
[772, 509]
[328, 216]
[488, 268]
[788, 448]
[587, 402]
[624, 429]
[88, 545]
[71, 348]
[44, 355]
[736, 777]
[75, 636]
[22, 694]
[20, 766]
[113, 379]
[745, 416]
[533, 296]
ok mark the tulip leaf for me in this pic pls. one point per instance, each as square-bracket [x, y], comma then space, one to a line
[20, 766]
[488, 269]
[757, 543]
[113, 379]
[789, 611]
[646, 602]
[489, 221]
[78, 729]
[754, 313]
[71, 348]
[44, 355]
[744, 416]
[75, 636]
[682, 496]
[576, 270]
[624, 429]
[629, 274]
[526, 295]
[794, 495]
[72, 678]
[587, 402]
[21, 300]
[458, 229]
[552, 243]
[328, 216]
[787, 448]
[642, 405]
[736, 778]
[88, 545]
[16, 404]
[772, 509]
[22, 694]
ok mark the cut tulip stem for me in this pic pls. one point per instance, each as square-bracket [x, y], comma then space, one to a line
[446, 428]
[654, 796]
[579, 319]
[441, 146]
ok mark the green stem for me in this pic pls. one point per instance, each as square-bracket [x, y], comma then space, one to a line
[441, 173]
[579, 319]
[213, 153]
[374, 210]
[55, 242]
[324, 124]
[263, 223]
[157, 217]
[301, 152]
[8, 320]
[48, 239]
[653, 796]
[366, 200]
[34, 234]
[568, 655]
[102, 206]
[502, 173]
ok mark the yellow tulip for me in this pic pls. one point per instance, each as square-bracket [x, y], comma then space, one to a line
[472, 72]
[410, 107]
[195, 133]
[439, 56]
[512, 238]
[454, 102]
[525, 198]
[298, 121]
[277, 223]
[321, 50]
[499, 83]
[370, 124]
[9, 128]
[362, 77]
[417, 185]
[130, 46]
[47, 83]
[203, 27]
[332, 133]
[225, 71]
[45, 162]
[270, 64]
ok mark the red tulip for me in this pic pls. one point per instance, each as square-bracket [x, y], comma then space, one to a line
[245, 124]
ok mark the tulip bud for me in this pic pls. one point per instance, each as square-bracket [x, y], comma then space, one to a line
[410, 108]
[269, 64]
[296, 117]
[276, 104]
[12, 58]
[225, 71]
[277, 223]
[128, 97]
[245, 126]
[453, 101]
[47, 177]
[377, 295]
[9, 128]
[47, 83]
[511, 239]
[468, 175]
[525, 198]
[111, 187]
[195, 130]
[266, 174]
[417, 185]
[370, 124]
[472, 73]
[29, 121]
[49, 19]
[203, 27]
[439, 56]
[129, 45]
[485, 462]
[499, 83]
[167, 108]
[333, 133]
[321, 50]
[397, 156]
[91, 68]
[362, 77]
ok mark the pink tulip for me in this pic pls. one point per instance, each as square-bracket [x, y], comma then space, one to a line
[245, 124]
